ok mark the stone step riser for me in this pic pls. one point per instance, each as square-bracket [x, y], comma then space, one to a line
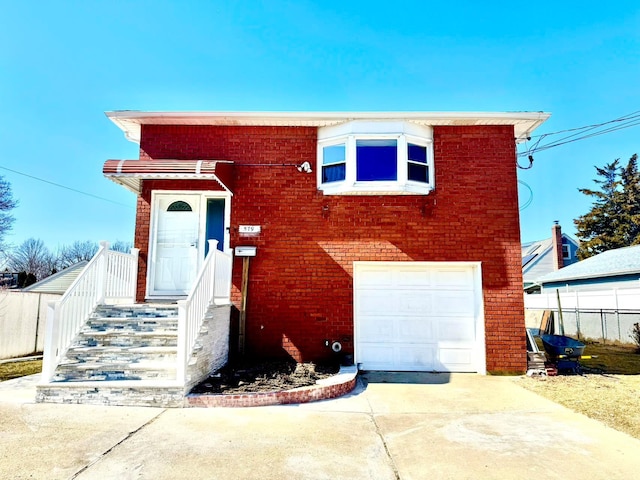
[141, 313]
[128, 324]
[105, 348]
[126, 341]
[127, 396]
[101, 375]
[113, 357]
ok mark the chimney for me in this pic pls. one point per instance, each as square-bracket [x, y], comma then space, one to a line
[556, 240]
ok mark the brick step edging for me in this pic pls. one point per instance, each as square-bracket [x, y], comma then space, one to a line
[333, 387]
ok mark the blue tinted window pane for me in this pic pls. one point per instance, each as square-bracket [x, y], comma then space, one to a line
[418, 172]
[333, 154]
[376, 160]
[333, 173]
[417, 153]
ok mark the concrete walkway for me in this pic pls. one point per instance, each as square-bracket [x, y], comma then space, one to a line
[394, 426]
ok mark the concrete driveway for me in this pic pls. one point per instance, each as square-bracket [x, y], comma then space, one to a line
[394, 426]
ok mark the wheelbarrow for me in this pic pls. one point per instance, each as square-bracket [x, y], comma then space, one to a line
[565, 352]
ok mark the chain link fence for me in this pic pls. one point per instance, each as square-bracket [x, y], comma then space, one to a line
[606, 325]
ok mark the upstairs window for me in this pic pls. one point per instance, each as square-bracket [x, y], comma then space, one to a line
[418, 169]
[333, 163]
[375, 158]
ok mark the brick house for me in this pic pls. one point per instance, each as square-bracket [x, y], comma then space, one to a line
[393, 237]
[402, 244]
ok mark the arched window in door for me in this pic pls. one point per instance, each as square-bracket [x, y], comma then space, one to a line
[179, 206]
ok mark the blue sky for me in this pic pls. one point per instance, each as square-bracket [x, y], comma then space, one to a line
[63, 63]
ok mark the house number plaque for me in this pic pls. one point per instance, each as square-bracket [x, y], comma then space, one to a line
[249, 229]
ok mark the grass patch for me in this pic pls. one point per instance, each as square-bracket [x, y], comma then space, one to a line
[19, 369]
[612, 359]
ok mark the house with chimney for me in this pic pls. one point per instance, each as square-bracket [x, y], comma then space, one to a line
[542, 257]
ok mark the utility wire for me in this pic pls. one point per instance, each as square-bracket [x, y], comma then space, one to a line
[65, 187]
[566, 140]
[619, 119]
[582, 133]
[530, 199]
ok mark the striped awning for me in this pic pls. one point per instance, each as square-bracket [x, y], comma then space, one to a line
[130, 173]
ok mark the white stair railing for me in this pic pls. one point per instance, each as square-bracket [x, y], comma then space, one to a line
[109, 277]
[212, 285]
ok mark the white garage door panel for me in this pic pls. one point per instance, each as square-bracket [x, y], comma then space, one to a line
[377, 302]
[455, 330]
[417, 316]
[455, 359]
[396, 330]
[411, 301]
[374, 329]
[453, 277]
[414, 329]
[413, 278]
[376, 278]
[454, 304]
[404, 357]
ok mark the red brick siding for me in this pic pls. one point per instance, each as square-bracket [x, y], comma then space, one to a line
[300, 288]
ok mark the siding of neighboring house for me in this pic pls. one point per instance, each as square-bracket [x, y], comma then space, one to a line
[593, 284]
[59, 282]
[617, 268]
[301, 281]
[543, 262]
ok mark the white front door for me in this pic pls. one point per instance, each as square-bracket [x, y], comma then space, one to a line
[175, 252]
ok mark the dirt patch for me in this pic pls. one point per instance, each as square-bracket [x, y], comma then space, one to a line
[265, 376]
[611, 399]
[607, 390]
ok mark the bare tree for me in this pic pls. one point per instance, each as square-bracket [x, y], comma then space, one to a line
[76, 252]
[33, 257]
[120, 246]
[7, 203]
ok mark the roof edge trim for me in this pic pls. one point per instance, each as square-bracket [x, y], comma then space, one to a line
[130, 121]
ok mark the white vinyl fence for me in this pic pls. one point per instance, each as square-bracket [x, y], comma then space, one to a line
[608, 315]
[22, 322]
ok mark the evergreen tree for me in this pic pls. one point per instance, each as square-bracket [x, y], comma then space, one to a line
[614, 218]
[630, 178]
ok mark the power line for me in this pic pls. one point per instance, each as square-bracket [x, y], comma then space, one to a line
[619, 119]
[582, 133]
[530, 199]
[65, 187]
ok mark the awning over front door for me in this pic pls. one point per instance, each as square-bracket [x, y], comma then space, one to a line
[130, 173]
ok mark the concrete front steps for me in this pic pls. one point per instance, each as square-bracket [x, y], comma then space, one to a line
[124, 355]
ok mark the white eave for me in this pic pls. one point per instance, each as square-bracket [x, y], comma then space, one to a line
[130, 121]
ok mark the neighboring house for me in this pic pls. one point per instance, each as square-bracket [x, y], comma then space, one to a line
[613, 269]
[9, 279]
[545, 256]
[59, 282]
[393, 237]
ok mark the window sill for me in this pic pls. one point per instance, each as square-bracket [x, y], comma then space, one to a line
[375, 188]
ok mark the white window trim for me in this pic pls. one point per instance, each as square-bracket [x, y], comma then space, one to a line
[347, 134]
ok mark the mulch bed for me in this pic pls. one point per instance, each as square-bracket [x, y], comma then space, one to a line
[270, 375]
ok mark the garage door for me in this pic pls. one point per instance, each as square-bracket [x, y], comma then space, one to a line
[419, 316]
